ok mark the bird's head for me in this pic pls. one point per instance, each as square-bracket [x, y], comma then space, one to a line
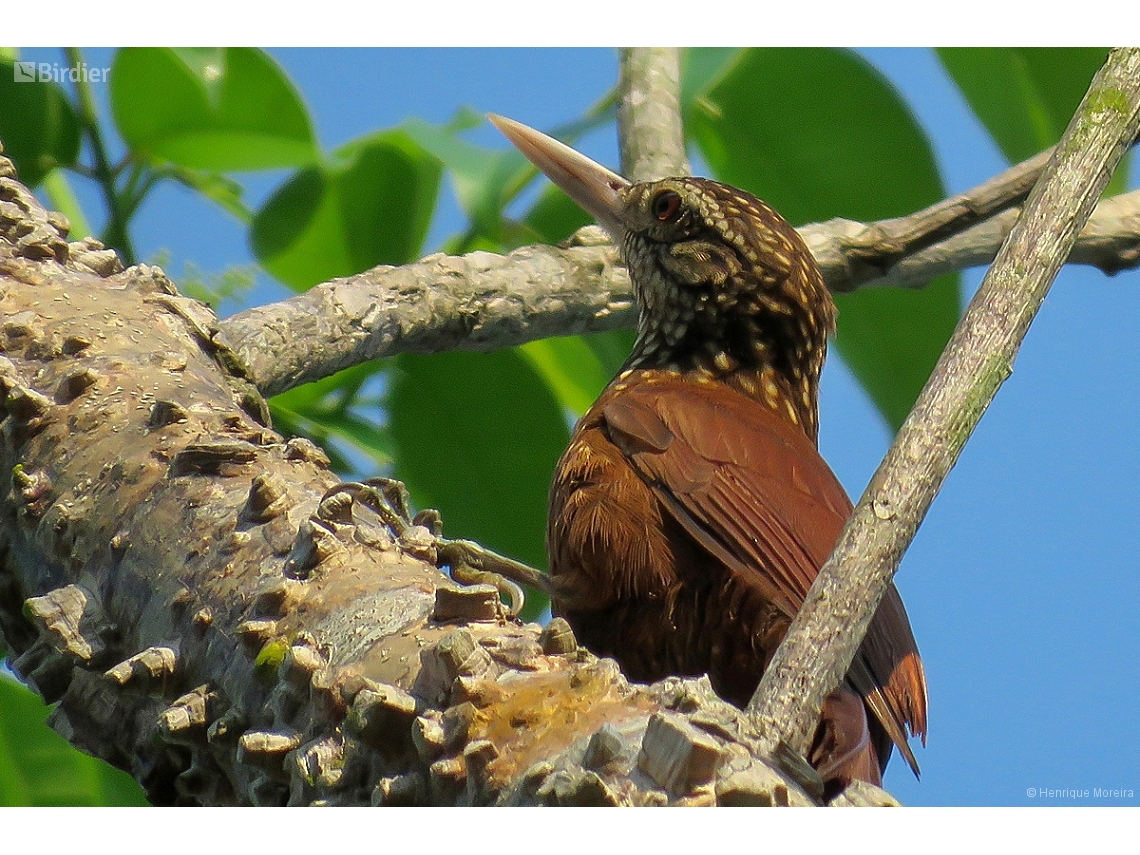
[723, 282]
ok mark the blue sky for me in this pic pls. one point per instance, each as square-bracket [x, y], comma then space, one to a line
[1021, 585]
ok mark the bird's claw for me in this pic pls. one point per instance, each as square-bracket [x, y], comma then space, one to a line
[391, 500]
[469, 563]
[385, 497]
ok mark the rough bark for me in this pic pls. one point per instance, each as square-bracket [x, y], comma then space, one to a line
[216, 613]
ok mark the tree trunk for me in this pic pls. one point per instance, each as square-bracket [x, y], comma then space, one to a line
[217, 613]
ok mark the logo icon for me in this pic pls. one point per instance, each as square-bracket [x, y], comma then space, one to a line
[24, 72]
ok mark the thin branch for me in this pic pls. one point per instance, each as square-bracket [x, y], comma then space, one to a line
[116, 233]
[650, 135]
[1109, 241]
[880, 246]
[483, 301]
[823, 638]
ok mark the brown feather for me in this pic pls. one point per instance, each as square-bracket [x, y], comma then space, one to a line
[758, 511]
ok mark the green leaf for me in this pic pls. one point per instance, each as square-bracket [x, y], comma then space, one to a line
[232, 284]
[577, 368]
[60, 197]
[371, 205]
[703, 68]
[554, 217]
[487, 180]
[37, 767]
[818, 133]
[477, 437]
[891, 338]
[570, 368]
[38, 125]
[350, 431]
[225, 191]
[217, 109]
[481, 176]
[330, 409]
[1026, 96]
[612, 348]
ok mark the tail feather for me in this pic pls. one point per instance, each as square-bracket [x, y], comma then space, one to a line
[888, 673]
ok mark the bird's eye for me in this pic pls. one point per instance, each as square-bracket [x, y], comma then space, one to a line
[666, 206]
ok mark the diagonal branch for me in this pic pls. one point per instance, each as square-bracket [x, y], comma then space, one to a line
[823, 638]
[1109, 241]
[875, 249]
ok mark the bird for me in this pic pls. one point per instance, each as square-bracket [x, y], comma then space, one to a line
[692, 509]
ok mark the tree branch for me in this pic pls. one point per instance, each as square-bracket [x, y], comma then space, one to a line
[480, 301]
[483, 301]
[650, 135]
[875, 249]
[213, 608]
[1110, 241]
[828, 630]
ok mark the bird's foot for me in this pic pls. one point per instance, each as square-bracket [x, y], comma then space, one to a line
[422, 534]
[386, 497]
[472, 564]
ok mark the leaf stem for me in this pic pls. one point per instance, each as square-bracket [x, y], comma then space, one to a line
[115, 234]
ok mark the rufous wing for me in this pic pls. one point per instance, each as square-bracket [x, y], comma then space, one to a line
[751, 488]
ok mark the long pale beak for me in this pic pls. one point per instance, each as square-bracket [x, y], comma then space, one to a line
[598, 191]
